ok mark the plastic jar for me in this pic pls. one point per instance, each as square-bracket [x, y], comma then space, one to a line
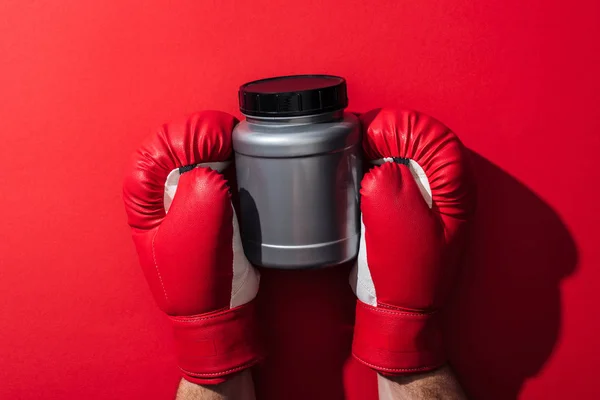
[298, 166]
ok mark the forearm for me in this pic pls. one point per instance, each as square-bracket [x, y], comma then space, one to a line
[438, 384]
[238, 387]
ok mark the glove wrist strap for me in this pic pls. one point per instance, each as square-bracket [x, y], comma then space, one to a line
[397, 342]
[212, 346]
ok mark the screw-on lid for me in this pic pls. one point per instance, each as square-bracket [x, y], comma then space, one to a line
[292, 96]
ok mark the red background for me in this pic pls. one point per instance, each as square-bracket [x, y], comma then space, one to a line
[81, 82]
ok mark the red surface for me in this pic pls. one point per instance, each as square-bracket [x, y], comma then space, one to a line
[82, 82]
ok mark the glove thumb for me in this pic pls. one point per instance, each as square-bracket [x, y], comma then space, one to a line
[399, 225]
[199, 218]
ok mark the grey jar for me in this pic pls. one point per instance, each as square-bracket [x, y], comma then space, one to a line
[298, 166]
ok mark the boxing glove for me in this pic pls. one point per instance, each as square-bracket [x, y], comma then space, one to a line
[186, 233]
[416, 202]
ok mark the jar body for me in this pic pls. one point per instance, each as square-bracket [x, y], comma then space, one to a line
[298, 182]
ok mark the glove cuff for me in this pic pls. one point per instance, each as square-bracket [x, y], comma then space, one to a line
[212, 346]
[397, 342]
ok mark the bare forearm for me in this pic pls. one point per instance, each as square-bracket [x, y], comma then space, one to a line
[238, 387]
[438, 384]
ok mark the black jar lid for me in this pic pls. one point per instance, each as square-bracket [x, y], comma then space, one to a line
[293, 96]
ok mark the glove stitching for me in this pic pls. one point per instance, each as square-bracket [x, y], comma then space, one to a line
[367, 287]
[387, 311]
[244, 278]
[199, 374]
[197, 319]
[218, 314]
[396, 369]
[156, 267]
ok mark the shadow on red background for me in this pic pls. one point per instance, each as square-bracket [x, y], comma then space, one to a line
[505, 317]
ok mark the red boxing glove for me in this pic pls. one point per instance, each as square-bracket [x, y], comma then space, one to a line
[189, 245]
[415, 204]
